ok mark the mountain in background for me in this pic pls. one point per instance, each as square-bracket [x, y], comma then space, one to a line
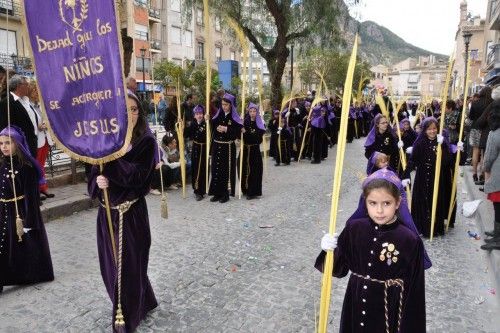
[379, 45]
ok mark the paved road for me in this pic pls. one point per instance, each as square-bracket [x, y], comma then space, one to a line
[214, 269]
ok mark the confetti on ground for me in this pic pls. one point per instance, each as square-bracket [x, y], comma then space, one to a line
[479, 300]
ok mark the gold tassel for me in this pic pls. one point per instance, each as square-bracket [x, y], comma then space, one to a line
[119, 320]
[19, 229]
[164, 207]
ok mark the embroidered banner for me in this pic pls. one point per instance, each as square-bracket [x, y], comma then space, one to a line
[78, 66]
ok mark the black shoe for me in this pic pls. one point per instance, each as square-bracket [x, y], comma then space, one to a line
[42, 197]
[251, 197]
[491, 246]
[481, 189]
[288, 163]
[199, 197]
[276, 164]
[315, 162]
[474, 177]
[48, 195]
[215, 198]
[491, 240]
[224, 199]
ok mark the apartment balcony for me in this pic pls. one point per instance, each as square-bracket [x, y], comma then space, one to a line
[154, 14]
[495, 17]
[11, 8]
[155, 45]
[493, 59]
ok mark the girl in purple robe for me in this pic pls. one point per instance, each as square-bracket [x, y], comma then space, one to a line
[24, 259]
[386, 257]
[382, 139]
[253, 130]
[128, 180]
[198, 133]
[226, 128]
[423, 159]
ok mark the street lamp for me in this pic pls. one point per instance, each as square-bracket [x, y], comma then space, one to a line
[143, 54]
[467, 36]
[291, 66]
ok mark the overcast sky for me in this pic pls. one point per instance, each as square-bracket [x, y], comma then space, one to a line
[429, 24]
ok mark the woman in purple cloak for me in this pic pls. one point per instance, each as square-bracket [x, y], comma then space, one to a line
[24, 248]
[127, 180]
[423, 159]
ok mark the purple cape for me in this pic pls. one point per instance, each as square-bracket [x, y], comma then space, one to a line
[234, 113]
[403, 212]
[317, 120]
[20, 139]
[258, 118]
[370, 138]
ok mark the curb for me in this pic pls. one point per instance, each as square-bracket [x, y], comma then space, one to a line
[484, 216]
[66, 207]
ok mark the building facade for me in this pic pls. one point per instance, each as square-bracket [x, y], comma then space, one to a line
[15, 52]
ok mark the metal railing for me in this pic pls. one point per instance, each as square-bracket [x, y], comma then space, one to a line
[155, 13]
[155, 44]
[493, 56]
[59, 162]
[10, 7]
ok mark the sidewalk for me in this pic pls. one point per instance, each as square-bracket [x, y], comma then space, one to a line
[68, 200]
[484, 217]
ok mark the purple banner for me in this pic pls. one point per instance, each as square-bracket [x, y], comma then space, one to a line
[78, 66]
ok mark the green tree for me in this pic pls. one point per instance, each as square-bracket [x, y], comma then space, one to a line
[333, 66]
[273, 25]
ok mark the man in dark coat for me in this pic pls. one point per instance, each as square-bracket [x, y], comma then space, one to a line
[19, 111]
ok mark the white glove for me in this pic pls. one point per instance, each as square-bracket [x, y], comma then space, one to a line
[102, 182]
[174, 165]
[158, 166]
[405, 182]
[460, 145]
[409, 150]
[440, 138]
[400, 144]
[25, 230]
[329, 242]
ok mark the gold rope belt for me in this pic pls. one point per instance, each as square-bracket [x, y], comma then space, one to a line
[387, 284]
[224, 142]
[122, 209]
[255, 144]
[13, 199]
[199, 143]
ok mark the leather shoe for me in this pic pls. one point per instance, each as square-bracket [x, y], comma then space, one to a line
[251, 197]
[42, 197]
[224, 199]
[199, 197]
[48, 195]
[215, 198]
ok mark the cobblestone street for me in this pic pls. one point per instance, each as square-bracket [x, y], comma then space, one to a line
[246, 266]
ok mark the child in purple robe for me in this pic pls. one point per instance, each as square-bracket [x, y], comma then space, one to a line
[386, 257]
[127, 180]
[382, 139]
[24, 248]
[253, 130]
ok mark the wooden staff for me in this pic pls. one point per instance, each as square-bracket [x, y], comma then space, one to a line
[339, 162]
[179, 126]
[19, 221]
[439, 154]
[163, 201]
[261, 111]
[457, 161]
[207, 90]
[402, 153]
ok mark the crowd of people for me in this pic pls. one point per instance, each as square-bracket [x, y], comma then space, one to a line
[382, 240]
